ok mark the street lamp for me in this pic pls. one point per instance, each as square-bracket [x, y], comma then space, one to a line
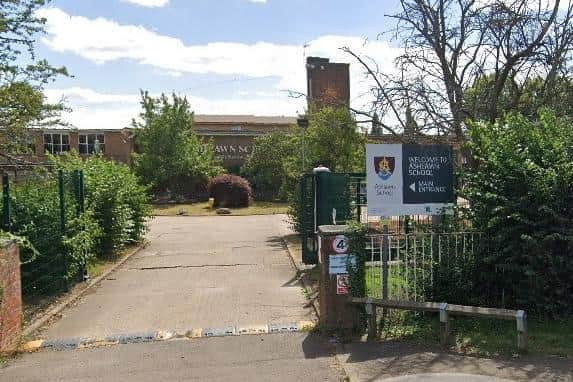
[302, 122]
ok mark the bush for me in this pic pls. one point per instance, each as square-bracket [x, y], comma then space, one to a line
[35, 217]
[265, 167]
[520, 190]
[113, 194]
[230, 191]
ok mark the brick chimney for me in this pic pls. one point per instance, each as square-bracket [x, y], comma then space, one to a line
[328, 83]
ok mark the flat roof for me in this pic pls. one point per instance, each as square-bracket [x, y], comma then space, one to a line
[244, 119]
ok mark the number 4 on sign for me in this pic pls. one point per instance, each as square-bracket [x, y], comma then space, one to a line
[339, 244]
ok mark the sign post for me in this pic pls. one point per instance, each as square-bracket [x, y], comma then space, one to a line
[335, 254]
[409, 179]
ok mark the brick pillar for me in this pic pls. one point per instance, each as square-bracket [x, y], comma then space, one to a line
[335, 312]
[10, 296]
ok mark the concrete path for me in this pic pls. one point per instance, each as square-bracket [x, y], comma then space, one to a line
[278, 357]
[398, 361]
[197, 272]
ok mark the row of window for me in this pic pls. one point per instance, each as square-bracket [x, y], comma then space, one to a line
[56, 143]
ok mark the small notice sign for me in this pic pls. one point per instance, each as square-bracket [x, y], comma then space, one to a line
[337, 263]
[342, 284]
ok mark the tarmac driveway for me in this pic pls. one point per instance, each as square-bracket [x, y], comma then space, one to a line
[196, 272]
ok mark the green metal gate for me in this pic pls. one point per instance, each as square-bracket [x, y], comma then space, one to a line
[327, 198]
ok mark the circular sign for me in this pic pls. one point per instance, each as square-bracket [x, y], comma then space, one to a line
[339, 244]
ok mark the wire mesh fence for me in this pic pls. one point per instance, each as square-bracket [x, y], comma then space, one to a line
[419, 266]
[37, 205]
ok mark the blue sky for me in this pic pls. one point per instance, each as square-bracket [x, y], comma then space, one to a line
[226, 56]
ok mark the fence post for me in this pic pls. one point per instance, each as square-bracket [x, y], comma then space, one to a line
[444, 325]
[82, 191]
[6, 224]
[371, 313]
[63, 224]
[385, 251]
[521, 319]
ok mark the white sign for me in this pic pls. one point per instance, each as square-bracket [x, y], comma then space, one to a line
[408, 179]
[337, 263]
[339, 244]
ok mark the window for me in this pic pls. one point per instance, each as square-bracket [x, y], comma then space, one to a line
[56, 143]
[92, 143]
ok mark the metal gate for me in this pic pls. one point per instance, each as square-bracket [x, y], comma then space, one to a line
[328, 198]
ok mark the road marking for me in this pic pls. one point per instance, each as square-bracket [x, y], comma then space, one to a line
[165, 335]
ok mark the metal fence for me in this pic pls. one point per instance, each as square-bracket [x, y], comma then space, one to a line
[414, 266]
[53, 199]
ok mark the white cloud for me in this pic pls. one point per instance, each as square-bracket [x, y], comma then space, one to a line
[101, 40]
[96, 110]
[258, 1]
[148, 3]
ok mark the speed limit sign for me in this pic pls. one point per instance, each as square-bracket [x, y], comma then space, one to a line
[339, 244]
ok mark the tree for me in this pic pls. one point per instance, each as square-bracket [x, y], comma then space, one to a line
[265, 167]
[22, 77]
[527, 98]
[449, 45]
[170, 156]
[334, 140]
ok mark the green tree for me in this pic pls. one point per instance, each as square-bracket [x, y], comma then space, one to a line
[265, 167]
[521, 198]
[334, 140]
[170, 156]
[525, 98]
[22, 77]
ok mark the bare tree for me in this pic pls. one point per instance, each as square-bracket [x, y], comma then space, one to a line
[448, 45]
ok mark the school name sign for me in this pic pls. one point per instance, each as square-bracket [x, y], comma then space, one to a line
[408, 179]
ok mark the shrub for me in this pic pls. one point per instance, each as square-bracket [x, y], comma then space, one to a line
[35, 217]
[113, 194]
[230, 191]
[264, 167]
[521, 194]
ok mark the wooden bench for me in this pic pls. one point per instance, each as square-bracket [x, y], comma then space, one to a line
[445, 310]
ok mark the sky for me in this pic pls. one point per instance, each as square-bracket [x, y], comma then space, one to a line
[225, 56]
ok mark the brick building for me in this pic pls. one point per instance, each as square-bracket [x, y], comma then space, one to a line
[113, 144]
[233, 135]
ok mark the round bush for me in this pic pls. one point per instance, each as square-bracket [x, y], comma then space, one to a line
[230, 191]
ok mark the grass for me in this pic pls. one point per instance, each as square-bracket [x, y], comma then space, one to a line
[484, 337]
[202, 209]
[397, 286]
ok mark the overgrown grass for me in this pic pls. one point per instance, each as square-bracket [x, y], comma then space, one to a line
[397, 286]
[202, 209]
[485, 337]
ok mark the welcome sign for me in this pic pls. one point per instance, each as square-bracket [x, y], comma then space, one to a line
[409, 179]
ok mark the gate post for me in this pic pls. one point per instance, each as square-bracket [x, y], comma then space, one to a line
[334, 252]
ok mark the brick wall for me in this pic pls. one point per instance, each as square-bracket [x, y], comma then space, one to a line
[11, 296]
